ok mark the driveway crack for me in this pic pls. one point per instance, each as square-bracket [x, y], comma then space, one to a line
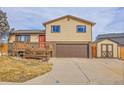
[82, 72]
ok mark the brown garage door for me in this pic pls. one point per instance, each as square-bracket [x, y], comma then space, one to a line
[79, 51]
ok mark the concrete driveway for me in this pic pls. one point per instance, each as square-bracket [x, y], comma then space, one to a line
[82, 71]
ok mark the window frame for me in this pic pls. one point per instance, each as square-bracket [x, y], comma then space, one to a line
[81, 31]
[56, 31]
[26, 38]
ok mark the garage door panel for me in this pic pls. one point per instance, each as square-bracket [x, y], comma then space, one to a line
[72, 51]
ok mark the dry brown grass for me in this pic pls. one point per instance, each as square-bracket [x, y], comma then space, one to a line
[12, 70]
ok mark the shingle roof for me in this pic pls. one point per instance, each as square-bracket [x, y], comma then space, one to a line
[119, 40]
[111, 35]
[29, 31]
[70, 16]
[116, 37]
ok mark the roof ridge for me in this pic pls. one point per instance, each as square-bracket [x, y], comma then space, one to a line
[29, 31]
[110, 35]
[55, 19]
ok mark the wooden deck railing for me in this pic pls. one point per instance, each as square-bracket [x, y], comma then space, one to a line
[22, 46]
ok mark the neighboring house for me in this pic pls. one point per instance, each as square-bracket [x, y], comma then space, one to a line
[20, 39]
[110, 46]
[71, 36]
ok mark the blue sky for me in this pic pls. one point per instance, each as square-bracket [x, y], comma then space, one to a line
[108, 20]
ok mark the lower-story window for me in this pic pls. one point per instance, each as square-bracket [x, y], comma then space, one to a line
[23, 38]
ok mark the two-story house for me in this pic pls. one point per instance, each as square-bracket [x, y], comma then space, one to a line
[70, 36]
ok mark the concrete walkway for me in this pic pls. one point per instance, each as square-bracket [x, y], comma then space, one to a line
[81, 71]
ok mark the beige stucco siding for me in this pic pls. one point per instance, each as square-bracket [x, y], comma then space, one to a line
[68, 31]
[34, 38]
[115, 47]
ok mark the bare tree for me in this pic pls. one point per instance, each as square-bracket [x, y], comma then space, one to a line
[4, 27]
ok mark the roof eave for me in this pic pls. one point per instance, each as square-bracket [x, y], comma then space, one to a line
[105, 39]
[51, 22]
[45, 23]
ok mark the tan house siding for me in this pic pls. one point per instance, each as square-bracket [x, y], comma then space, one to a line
[34, 38]
[11, 38]
[68, 31]
[115, 48]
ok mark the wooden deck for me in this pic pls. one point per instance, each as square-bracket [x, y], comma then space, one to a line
[32, 50]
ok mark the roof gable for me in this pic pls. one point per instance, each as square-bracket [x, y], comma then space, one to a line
[100, 40]
[69, 16]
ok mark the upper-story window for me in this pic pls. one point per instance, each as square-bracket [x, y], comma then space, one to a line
[23, 38]
[81, 28]
[55, 28]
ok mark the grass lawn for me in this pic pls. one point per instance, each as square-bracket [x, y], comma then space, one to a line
[13, 70]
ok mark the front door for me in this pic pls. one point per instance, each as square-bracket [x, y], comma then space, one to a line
[42, 41]
[107, 50]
